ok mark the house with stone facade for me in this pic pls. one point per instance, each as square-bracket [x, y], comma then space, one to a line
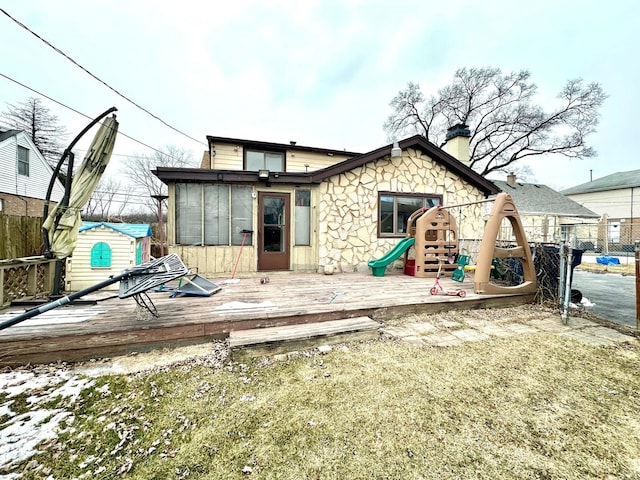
[25, 176]
[260, 206]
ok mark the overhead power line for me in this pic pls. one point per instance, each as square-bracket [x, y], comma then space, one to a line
[99, 79]
[78, 112]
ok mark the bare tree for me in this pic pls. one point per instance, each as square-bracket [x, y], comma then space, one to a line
[145, 184]
[43, 128]
[109, 200]
[506, 126]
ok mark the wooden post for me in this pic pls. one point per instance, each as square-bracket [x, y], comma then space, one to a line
[637, 250]
[1, 287]
[32, 279]
[605, 249]
[160, 199]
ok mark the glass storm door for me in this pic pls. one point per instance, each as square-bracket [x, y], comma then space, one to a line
[273, 231]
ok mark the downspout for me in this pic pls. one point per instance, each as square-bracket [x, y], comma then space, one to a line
[26, 206]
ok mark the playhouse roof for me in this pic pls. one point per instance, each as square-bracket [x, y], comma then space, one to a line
[135, 230]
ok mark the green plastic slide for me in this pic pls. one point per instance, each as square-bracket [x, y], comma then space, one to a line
[379, 265]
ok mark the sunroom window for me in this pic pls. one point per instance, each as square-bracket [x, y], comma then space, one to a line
[212, 214]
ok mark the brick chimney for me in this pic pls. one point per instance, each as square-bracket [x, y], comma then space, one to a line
[511, 180]
[457, 142]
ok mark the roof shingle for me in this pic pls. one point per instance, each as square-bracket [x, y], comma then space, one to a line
[615, 181]
[535, 199]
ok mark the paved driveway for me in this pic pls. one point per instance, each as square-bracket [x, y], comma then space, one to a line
[613, 295]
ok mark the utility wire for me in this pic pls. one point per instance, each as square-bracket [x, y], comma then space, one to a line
[99, 79]
[80, 113]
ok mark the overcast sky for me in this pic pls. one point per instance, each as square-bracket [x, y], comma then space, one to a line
[321, 73]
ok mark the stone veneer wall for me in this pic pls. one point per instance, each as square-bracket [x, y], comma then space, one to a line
[348, 207]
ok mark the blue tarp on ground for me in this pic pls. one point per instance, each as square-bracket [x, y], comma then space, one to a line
[607, 260]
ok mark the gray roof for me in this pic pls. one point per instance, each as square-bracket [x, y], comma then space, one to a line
[535, 199]
[615, 181]
[4, 134]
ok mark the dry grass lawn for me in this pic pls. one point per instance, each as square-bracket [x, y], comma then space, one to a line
[534, 406]
[623, 269]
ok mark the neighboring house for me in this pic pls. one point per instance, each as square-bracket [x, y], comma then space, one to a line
[310, 207]
[106, 249]
[547, 215]
[616, 198]
[25, 176]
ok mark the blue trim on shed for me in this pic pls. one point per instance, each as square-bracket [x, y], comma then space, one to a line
[135, 230]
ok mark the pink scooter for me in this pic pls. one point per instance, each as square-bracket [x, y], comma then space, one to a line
[437, 288]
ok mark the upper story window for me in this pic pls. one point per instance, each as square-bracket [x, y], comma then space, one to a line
[260, 160]
[23, 161]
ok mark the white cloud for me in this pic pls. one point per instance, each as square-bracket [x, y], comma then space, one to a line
[319, 72]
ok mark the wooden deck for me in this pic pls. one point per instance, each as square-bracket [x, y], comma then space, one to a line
[114, 327]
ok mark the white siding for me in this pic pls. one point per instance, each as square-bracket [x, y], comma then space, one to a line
[37, 183]
[230, 157]
[8, 162]
[613, 203]
[80, 274]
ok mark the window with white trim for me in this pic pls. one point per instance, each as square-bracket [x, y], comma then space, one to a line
[23, 161]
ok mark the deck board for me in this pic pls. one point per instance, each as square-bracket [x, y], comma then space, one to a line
[286, 338]
[113, 326]
[245, 338]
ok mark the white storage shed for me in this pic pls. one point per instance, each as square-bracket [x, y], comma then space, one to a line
[106, 249]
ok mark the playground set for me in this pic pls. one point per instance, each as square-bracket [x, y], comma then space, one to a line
[434, 239]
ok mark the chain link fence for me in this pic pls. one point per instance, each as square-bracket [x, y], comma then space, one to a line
[615, 238]
[547, 261]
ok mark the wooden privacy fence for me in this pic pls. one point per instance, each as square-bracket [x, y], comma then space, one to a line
[23, 278]
[20, 236]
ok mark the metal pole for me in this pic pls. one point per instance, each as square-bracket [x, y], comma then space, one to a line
[161, 228]
[45, 210]
[561, 267]
[637, 251]
[567, 287]
[61, 301]
[478, 202]
[64, 203]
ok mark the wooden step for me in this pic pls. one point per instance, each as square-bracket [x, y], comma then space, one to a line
[273, 340]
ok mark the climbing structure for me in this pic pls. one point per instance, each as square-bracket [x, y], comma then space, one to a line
[436, 236]
[504, 207]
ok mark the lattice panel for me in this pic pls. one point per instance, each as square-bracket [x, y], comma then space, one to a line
[15, 283]
[41, 272]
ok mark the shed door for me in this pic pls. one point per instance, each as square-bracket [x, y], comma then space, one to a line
[273, 231]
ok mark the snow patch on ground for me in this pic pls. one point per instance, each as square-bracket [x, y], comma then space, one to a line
[22, 433]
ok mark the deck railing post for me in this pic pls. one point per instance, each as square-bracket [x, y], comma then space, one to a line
[637, 251]
[1, 286]
[32, 279]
